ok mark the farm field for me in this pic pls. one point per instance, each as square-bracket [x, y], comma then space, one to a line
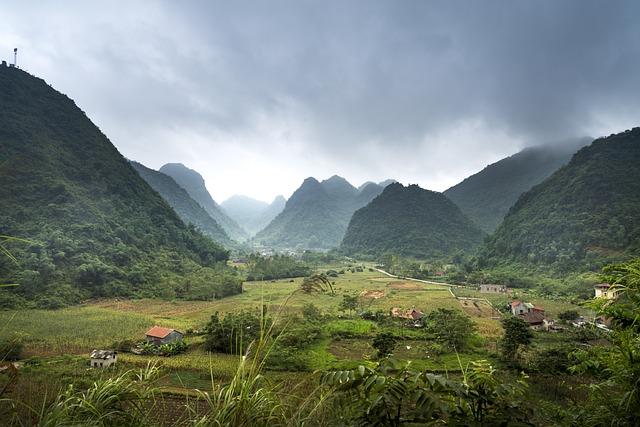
[65, 337]
[79, 329]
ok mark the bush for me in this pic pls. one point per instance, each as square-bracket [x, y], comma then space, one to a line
[11, 349]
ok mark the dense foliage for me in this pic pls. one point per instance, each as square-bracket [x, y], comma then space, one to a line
[233, 333]
[451, 328]
[411, 222]
[274, 267]
[94, 227]
[614, 399]
[317, 214]
[487, 196]
[583, 217]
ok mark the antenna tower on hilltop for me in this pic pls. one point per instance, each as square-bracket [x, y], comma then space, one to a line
[15, 56]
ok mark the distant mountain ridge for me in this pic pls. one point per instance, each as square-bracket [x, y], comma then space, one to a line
[250, 214]
[583, 216]
[486, 196]
[188, 209]
[316, 215]
[194, 184]
[412, 222]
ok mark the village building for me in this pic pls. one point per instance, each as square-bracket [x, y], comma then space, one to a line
[518, 308]
[103, 358]
[159, 335]
[603, 290]
[493, 289]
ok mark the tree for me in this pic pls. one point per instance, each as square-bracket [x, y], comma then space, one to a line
[516, 334]
[451, 328]
[384, 342]
[349, 302]
[569, 315]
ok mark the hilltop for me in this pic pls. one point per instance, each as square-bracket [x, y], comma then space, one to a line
[413, 222]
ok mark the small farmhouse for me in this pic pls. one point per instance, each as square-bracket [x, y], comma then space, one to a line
[103, 358]
[160, 336]
[413, 316]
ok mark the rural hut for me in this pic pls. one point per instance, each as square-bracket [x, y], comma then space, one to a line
[159, 335]
[103, 358]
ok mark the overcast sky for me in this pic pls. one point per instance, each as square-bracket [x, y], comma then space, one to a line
[259, 95]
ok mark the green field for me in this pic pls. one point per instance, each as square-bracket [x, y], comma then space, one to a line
[75, 331]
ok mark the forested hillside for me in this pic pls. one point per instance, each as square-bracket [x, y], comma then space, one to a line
[413, 222]
[584, 216]
[486, 196]
[187, 209]
[93, 226]
[316, 215]
[194, 184]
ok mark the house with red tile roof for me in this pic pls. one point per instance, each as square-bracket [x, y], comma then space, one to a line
[159, 335]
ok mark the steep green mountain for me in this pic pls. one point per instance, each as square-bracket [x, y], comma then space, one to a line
[487, 196]
[193, 183]
[584, 215]
[94, 227]
[251, 214]
[412, 222]
[187, 209]
[316, 215]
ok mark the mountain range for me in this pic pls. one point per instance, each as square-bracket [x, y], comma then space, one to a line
[250, 214]
[95, 224]
[486, 196]
[194, 185]
[316, 215]
[187, 208]
[583, 216]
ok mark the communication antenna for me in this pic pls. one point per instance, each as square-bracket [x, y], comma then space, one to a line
[15, 56]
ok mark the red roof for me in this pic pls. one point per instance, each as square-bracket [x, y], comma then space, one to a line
[159, 332]
[603, 285]
[515, 303]
[536, 308]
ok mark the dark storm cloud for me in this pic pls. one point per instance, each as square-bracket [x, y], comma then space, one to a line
[347, 87]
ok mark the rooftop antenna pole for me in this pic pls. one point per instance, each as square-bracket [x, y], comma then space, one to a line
[15, 56]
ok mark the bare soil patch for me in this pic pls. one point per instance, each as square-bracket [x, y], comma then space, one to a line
[371, 294]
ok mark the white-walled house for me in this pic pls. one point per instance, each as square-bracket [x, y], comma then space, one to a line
[103, 358]
[603, 290]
